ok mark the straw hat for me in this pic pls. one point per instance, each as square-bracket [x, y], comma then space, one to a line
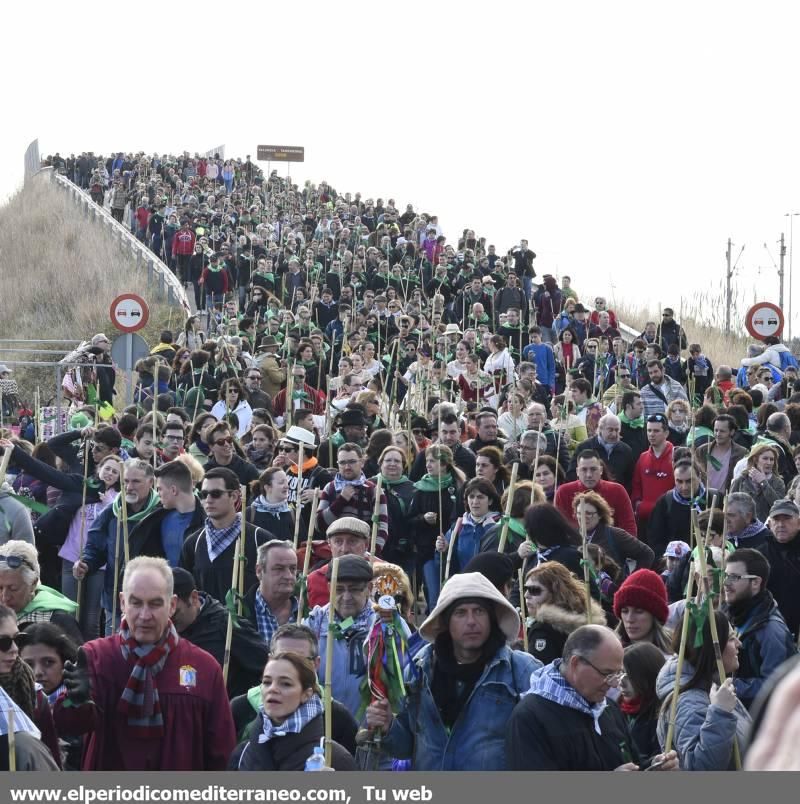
[470, 585]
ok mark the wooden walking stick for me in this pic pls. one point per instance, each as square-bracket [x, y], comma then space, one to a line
[509, 505]
[298, 503]
[329, 664]
[521, 581]
[307, 557]
[456, 530]
[536, 459]
[712, 622]
[376, 510]
[12, 741]
[124, 509]
[234, 586]
[585, 562]
[116, 578]
[83, 522]
[240, 556]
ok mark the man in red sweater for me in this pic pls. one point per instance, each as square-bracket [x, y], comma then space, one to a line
[182, 249]
[590, 478]
[652, 475]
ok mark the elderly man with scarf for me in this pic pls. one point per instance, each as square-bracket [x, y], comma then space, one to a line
[147, 699]
[107, 532]
[565, 722]
[351, 494]
[353, 619]
[671, 516]
[463, 685]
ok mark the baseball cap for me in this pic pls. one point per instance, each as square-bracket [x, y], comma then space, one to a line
[676, 549]
[784, 508]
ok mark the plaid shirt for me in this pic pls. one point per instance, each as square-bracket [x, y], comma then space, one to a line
[265, 620]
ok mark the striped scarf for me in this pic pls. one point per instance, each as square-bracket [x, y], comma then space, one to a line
[218, 541]
[139, 699]
[293, 724]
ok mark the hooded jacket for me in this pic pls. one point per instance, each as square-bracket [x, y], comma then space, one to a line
[49, 605]
[703, 732]
[549, 630]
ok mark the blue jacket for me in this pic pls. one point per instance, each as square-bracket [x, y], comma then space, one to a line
[542, 355]
[477, 740]
[703, 733]
[766, 644]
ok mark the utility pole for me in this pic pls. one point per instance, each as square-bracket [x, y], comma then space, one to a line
[780, 271]
[728, 275]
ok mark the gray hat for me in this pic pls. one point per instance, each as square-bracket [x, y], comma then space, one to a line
[352, 568]
[4, 369]
[784, 508]
[348, 524]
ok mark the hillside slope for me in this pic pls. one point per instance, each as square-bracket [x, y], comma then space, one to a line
[59, 273]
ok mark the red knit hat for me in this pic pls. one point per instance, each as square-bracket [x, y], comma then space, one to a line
[643, 589]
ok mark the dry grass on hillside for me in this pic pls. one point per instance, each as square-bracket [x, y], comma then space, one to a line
[700, 321]
[59, 273]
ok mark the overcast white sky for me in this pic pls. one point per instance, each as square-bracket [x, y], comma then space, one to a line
[626, 140]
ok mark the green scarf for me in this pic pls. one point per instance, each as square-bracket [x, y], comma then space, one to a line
[151, 505]
[431, 483]
[47, 599]
[387, 482]
[517, 527]
[636, 424]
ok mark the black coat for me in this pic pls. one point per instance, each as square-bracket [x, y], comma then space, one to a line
[343, 731]
[145, 540]
[670, 520]
[621, 546]
[545, 736]
[621, 463]
[635, 438]
[287, 753]
[245, 471]
[784, 578]
[463, 458]
[249, 652]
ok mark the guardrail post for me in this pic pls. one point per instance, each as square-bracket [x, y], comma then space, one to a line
[150, 271]
[59, 399]
[162, 285]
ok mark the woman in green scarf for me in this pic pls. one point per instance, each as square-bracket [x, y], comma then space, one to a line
[433, 507]
[315, 368]
[399, 547]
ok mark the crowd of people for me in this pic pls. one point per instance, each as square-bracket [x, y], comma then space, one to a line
[553, 547]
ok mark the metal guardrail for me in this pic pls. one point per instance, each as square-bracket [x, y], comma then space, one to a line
[157, 271]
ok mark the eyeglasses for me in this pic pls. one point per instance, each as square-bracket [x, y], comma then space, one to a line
[15, 562]
[20, 640]
[533, 591]
[609, 678]
[173, 437]
[222, 441]
[215, 494]
[350, 462]
[734, 578]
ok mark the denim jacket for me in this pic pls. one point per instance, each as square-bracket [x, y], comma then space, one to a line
[477, 740]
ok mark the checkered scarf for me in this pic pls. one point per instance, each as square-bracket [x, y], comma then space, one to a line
[139, 699]
[552, 686]
[293, 724]
[218, 541]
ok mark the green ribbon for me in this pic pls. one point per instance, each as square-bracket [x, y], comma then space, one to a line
[699, 615]
[28, 502]
[339, 630]
[232, 600]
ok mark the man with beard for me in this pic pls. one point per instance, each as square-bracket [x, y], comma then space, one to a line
[464, 685]
[765, 637]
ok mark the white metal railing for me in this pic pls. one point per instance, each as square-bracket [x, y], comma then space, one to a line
[157, 270]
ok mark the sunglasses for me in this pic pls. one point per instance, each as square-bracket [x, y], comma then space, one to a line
[657, 417]
[20, 640]
[15, 562]
[215, 494]
[287, 449]
[221, 441]
[533, 591]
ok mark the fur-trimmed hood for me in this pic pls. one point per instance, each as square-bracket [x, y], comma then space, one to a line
[568, 621]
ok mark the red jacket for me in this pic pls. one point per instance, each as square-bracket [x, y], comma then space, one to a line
[613, 493]
[594, 318]
[183, 243]
[199, 734]
[652, 477]
[317, 401]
